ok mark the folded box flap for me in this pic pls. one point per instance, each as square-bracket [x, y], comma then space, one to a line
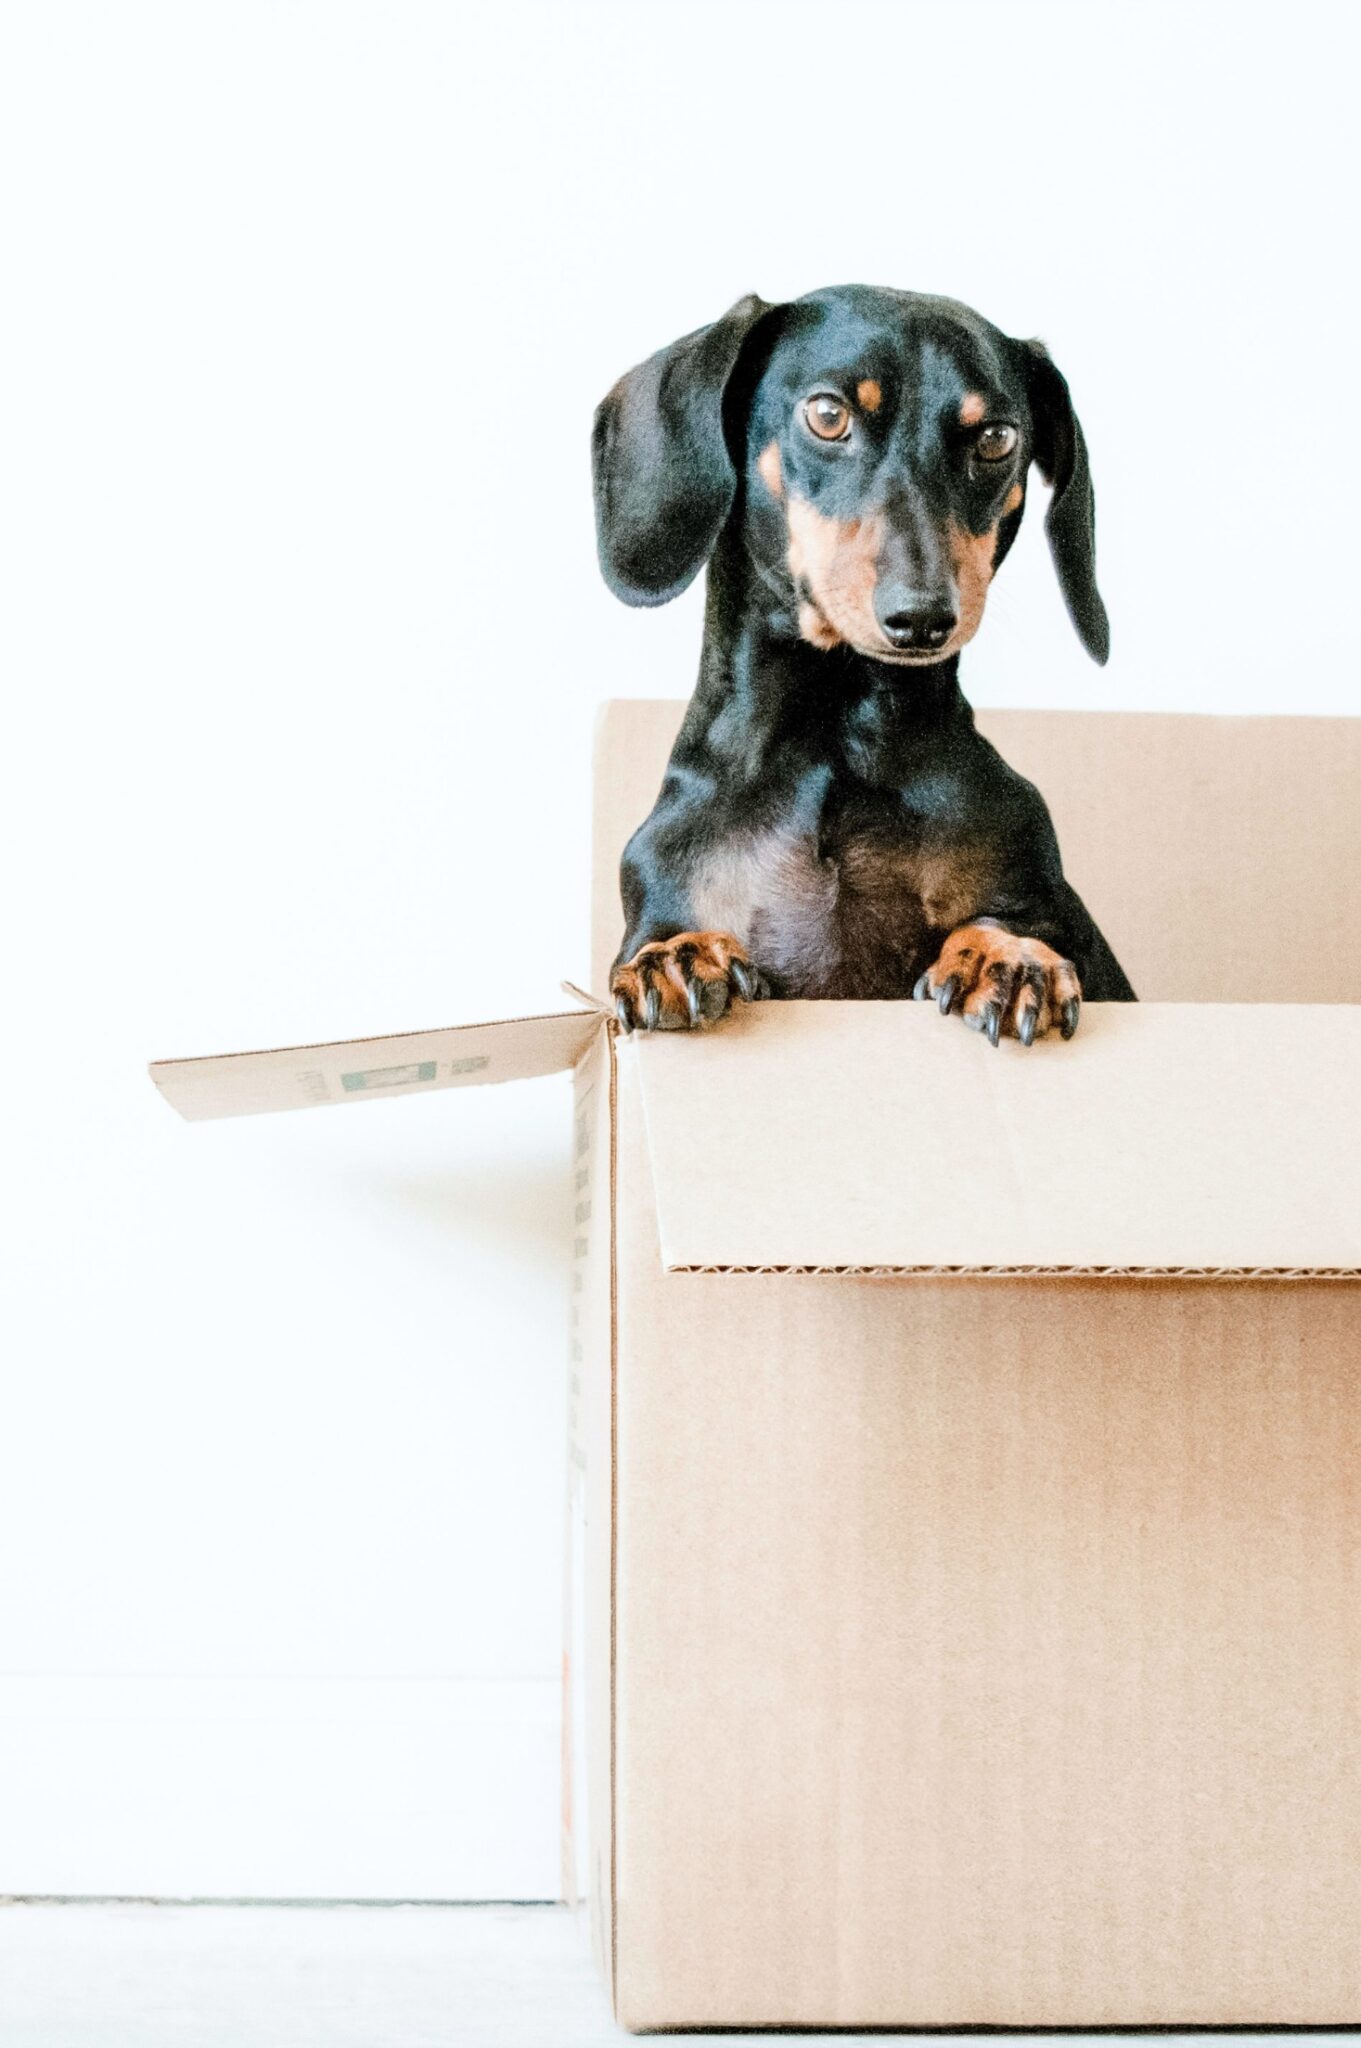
[359, 1069]
[1164, 1138]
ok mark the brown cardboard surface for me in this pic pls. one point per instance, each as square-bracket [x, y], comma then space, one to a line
[1218, 854]
[361, 1069]
[1162, 1138]
[1219, 850]
[988, 1652]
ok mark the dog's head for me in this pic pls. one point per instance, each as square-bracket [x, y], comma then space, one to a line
[875, 447]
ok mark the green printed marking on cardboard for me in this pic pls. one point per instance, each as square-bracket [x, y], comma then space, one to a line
[389, 1077]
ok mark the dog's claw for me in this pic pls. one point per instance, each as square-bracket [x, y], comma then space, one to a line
[624, 1014]
[652, 1009]
[692, 1000]
[742, 981]
[1002, 984]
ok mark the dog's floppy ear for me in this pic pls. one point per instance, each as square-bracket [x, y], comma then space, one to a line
[664, 480]
[1071, 520]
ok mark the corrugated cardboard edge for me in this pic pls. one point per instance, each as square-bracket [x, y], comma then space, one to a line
[1047, 1272]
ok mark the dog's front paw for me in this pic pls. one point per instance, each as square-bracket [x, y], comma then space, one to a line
[681, 983]
[1003, 984]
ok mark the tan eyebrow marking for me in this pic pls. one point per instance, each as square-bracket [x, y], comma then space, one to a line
[769, 469]
[869, 394]
[973, 409]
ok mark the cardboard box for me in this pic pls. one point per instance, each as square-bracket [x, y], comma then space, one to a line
[966, 1459]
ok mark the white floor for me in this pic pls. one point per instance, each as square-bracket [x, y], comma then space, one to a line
[146, 1976]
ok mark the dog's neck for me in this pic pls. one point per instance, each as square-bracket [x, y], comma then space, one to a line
[762, 687]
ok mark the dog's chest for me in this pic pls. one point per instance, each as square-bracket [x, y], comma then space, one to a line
[839, 908]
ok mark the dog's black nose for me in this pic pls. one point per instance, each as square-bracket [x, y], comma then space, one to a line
[915, 620]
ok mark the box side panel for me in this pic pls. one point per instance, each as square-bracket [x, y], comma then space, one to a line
[1215, 853]
[1126, 1151]
[987, 1652]
[588, 1678]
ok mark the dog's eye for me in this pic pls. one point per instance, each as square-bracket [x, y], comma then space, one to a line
[994, 444]
[829, 418]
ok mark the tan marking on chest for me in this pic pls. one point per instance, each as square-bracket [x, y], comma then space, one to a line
[742, 877]
[944, 887]
[854, 925]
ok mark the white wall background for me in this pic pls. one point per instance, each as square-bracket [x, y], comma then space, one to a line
[306, 310]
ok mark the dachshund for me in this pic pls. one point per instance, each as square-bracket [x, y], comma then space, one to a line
[852, 467]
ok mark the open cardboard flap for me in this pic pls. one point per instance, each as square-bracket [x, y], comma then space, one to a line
[358, 1069]
[1164, 1138]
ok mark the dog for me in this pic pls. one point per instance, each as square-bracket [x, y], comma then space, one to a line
[852, 468]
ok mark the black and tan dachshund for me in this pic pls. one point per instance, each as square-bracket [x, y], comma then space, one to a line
[852, 467]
